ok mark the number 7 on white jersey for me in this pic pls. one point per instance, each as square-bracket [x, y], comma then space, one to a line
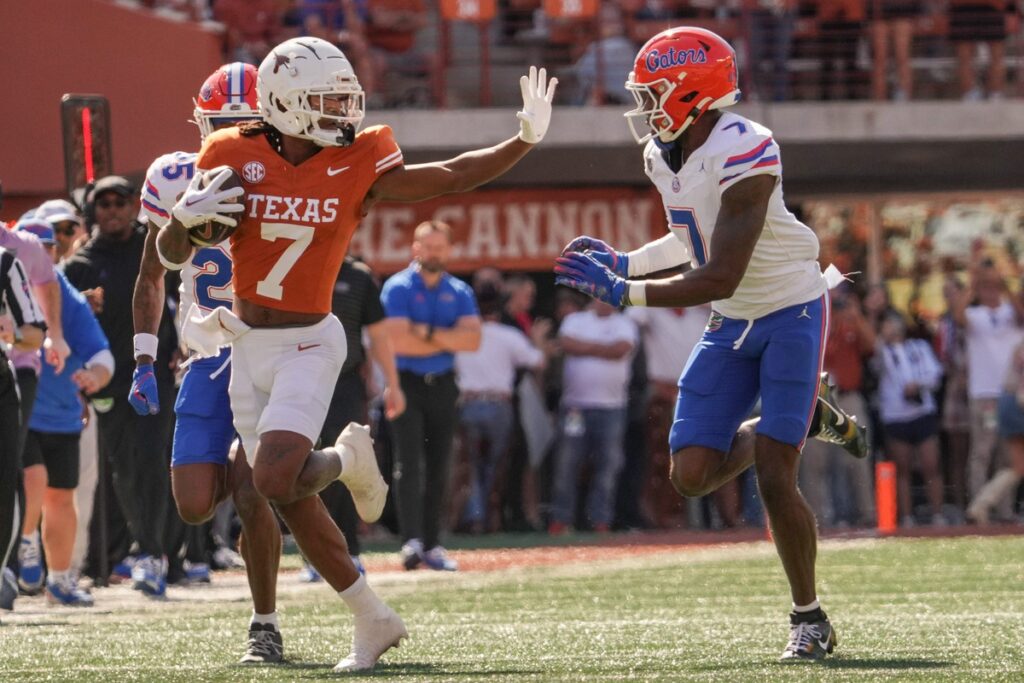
[270, 286]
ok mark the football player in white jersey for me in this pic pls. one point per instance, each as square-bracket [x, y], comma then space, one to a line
[720, 179]
[201, 473]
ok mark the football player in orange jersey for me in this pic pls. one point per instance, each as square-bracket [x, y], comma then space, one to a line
[309, 176]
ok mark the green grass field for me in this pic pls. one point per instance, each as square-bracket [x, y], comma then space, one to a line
[907, 610]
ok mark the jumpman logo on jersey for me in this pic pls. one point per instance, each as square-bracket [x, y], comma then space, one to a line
[804, 314]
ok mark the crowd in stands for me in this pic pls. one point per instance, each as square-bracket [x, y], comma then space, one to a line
[560, 424]
[789, 49]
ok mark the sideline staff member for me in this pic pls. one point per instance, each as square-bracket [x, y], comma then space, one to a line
[21, 326]
[431, 315]
[135, 446]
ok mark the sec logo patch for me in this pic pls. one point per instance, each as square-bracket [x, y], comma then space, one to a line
[254, 172]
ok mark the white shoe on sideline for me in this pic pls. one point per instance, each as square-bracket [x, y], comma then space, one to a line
[374, 635]
[360, 473]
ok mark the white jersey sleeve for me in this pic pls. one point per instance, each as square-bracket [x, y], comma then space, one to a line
[752, 152]
[166, 180]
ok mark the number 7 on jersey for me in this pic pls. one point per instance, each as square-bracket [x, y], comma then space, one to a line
[270, 286]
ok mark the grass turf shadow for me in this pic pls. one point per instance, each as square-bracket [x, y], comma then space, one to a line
[313, 670]
[884, 663]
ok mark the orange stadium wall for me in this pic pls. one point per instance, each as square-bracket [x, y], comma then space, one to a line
[512, 229]
[52, 47]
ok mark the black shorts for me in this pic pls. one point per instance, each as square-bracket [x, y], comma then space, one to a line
[915, 432]
[59, 452]
[976, 24]
[895, 9]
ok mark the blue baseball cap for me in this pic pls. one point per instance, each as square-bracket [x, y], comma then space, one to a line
[42, 229]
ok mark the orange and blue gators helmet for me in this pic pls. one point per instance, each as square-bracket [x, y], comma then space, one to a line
[227, 96]
[677, 76]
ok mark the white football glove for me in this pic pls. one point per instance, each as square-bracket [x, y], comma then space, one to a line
[200, 205]
[535, 117]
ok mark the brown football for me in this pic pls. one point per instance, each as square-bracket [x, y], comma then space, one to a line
[212, 232]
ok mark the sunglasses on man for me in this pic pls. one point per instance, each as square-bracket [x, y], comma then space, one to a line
[119, 202]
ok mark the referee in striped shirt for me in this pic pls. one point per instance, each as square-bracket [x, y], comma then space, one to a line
[21, 327]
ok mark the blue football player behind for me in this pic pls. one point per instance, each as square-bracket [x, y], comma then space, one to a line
[202, 475]
[720, 179]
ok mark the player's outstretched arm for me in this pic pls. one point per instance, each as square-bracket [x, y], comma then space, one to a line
[472, 169]
[147, 309]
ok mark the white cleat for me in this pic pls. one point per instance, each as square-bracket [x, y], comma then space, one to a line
[374, 635]
[360, 473]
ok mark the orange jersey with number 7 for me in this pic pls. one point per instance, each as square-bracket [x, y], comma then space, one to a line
[298, 220]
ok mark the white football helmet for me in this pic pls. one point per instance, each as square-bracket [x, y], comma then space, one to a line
[305, 83]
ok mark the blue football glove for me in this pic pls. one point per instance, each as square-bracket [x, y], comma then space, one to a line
[586, 274]
[615, 261]
[143, 395]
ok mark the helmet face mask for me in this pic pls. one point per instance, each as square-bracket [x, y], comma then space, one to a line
[307, 89]
[677, 76]
[227, 97]
[650, 118]
[335, 113]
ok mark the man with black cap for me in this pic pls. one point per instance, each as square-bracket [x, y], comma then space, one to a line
[135, 446]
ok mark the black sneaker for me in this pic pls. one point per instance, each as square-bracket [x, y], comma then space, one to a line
[264, 646]
[8, 589]
[811, 637]
[832, 425]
